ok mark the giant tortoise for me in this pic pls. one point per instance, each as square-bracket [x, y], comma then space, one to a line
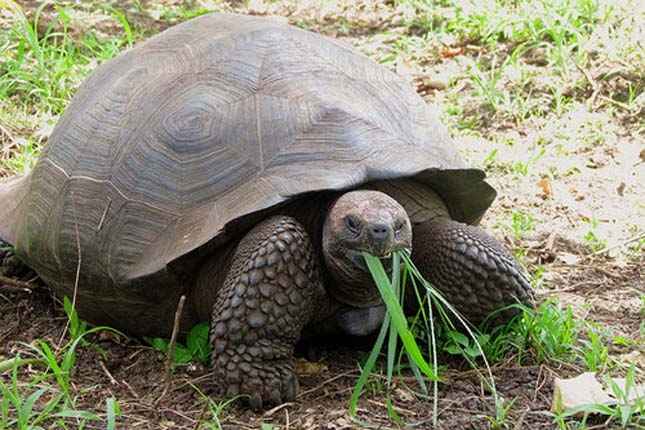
[247, 164]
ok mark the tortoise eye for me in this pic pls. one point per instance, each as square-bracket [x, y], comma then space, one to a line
[352, 224]
[398, 227]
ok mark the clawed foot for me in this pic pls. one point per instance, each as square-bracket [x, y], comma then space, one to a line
[11, 266]
[268, 383]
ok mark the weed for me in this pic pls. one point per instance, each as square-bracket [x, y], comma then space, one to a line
[501, 419]
[216, 409]
[627, 409]
[197, 345]
[523, 167]
[27, 406]
[522, 223]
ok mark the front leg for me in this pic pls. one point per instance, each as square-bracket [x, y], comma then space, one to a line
[474, 272]
[265, 301]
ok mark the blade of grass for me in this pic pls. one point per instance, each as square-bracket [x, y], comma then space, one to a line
[396, 313]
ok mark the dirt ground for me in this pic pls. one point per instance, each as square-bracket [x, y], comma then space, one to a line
[604, 284]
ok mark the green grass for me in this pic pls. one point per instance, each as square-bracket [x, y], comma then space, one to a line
[43, 63]
[50, 398]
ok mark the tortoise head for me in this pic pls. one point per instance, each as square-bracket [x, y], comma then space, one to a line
[359, 221]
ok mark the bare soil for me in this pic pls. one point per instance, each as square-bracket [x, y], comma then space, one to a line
[602, 286]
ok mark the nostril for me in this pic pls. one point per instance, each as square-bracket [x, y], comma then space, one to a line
[379, 230]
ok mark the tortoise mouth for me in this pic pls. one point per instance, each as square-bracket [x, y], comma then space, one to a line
[358, 261]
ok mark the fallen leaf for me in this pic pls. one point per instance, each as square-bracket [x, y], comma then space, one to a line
[110, 335]
[581, 390]
[405, 69]
[546, 186]
[621, 189]
[304, 367]
[569, 258]
[453, 51]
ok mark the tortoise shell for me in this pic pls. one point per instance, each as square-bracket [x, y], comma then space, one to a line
[207, 123]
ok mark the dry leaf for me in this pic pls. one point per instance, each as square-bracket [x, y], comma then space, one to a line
[453, 51]
[569, 258]
[304, 367]
[110, 335]
[405, 69]
[581, 390]
[546, 186]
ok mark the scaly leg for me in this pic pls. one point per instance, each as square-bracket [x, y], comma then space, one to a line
[473, 270]
[265, 301]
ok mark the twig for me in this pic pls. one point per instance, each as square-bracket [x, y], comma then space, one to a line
[619, 245]
[107, 373]
[79, 260]
[328, 381]
[276, 409]
[129, 387]
[9, 285]
[171, 350]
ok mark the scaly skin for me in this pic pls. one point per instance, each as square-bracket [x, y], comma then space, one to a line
[265, 301]
[11, 266]
[474, 271]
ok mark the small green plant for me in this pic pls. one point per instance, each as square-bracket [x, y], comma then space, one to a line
[395, 327]
[521, 223]
[501, 419]
[31, 405]
[523, 167]
[216, 409]
[626, 409]
[594, 353]
[18, 407]
[197, 346]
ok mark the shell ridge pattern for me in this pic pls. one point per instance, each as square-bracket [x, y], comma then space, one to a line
[108, 182]
[311, 51]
